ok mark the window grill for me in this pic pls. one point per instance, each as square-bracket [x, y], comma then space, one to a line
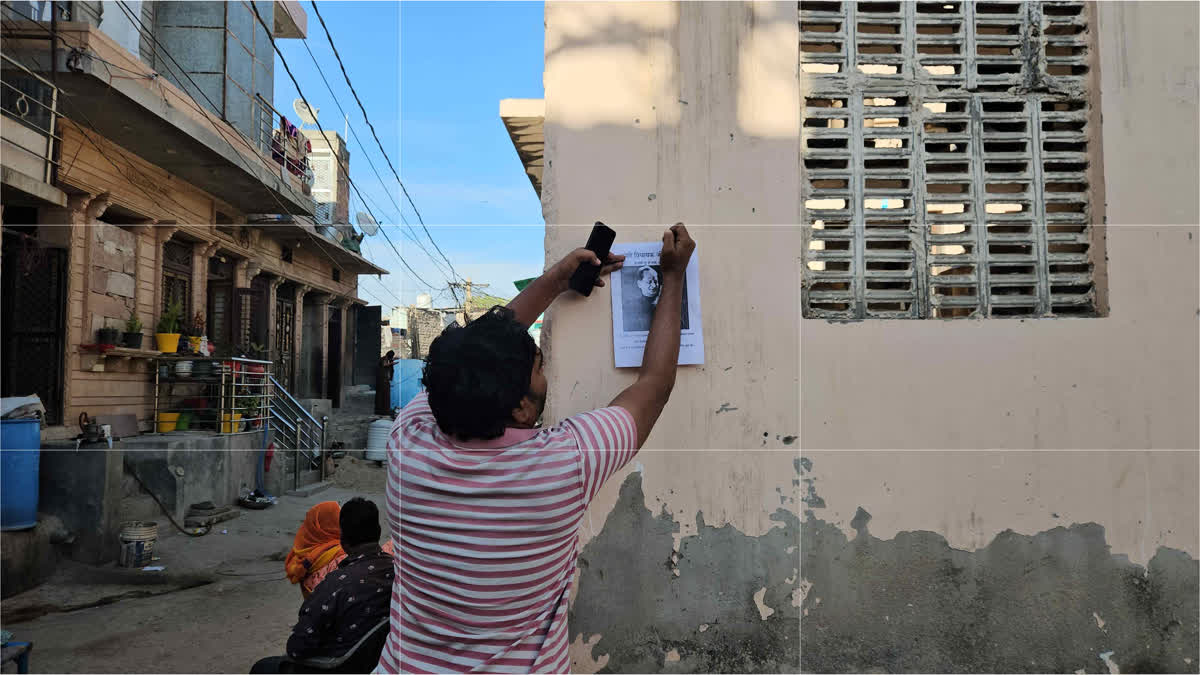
[945, 154]
[177, 276]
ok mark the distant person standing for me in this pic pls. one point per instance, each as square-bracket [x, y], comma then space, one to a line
[383, 384]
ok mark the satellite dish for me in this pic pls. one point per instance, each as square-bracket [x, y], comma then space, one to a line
[307, 115]
[366, 223]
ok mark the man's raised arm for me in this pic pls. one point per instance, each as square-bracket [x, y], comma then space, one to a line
[537, 296]
[646, 398]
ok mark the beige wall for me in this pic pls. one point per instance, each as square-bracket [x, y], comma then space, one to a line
[1141, 498]
[635, 93]
[1129, 380]
[656, 113]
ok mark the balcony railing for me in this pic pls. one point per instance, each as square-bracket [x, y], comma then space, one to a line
[230, 395]
[30, 120]
[276, 137]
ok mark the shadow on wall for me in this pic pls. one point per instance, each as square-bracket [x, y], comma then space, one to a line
[649, 112]
[658, 113]
[1056, 601]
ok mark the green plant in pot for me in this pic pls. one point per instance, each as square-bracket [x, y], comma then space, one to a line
[249, 408]
[258, 352]
[108, 336]
[196, 332]
[133, 331]
[166, 334]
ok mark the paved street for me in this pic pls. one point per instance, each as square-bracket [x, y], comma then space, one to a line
[245, 613]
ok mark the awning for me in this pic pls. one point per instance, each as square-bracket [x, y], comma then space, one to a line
[524, 117]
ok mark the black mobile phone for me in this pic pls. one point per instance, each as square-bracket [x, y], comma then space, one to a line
[599, 242]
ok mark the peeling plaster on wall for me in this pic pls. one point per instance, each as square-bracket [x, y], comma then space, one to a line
[581, 656]
[763, 610]
[1022, 603]
[742, 488]
[630, 597]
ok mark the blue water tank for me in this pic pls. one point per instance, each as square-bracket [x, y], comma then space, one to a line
[20, 442]
[406, 381]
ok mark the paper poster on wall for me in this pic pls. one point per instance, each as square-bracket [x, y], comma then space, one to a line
[636, 289]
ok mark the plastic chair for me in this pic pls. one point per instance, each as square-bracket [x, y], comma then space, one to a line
[366, 651]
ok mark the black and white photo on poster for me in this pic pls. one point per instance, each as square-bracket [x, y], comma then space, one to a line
[636, 291]
[641, 287]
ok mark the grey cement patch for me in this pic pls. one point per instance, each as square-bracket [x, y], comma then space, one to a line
[1049, 602]
[630, 596]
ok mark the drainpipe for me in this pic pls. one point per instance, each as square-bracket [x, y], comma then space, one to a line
[55, 148]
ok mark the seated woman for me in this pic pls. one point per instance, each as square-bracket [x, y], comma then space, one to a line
[317, 549]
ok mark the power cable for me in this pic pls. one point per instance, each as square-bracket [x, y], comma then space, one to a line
[304, 98]
[87, 120]
[367, 119]
[352, 130]
[143, 30]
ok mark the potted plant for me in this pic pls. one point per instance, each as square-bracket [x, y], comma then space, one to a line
[257, 352]
[133, 331]
[249, 407]
[230, 366]
[196, 332]
[166, 335]
[108, 336]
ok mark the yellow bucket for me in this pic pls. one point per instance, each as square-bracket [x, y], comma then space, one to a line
[167, 422]
[228, 427]
[168, 343]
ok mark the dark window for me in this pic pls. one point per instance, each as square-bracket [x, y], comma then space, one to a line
[177, 276]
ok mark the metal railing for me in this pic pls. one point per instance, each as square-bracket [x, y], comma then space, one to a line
[295, 427]
[225, 395]
[32, 101]
[282, 141]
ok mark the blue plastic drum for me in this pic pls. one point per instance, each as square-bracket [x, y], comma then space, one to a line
[20, 443]
[406, 382]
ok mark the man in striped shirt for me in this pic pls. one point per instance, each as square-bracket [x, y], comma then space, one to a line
[484, 504]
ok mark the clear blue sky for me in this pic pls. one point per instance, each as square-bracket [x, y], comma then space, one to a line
[431, 76]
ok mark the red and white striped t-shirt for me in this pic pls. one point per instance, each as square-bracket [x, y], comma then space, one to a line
[486, 539]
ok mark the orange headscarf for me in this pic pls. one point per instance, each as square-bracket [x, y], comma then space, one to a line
[317, 542]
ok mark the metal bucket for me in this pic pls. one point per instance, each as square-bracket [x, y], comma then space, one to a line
[137, 543]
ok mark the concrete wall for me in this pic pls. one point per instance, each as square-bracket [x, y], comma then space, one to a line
[89, 491]
[83, 490]
[1128, 380]
[1018, 560]
[1004, 561]
[224, 50]
[657, 113]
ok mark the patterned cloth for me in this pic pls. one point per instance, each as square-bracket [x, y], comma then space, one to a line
[345, 606]
[315, 577]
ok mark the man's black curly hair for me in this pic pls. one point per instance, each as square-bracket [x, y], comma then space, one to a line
[476, 374]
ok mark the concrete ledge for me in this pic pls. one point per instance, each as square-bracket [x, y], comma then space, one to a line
[28, 557]
[310, 490]
[20, 189]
